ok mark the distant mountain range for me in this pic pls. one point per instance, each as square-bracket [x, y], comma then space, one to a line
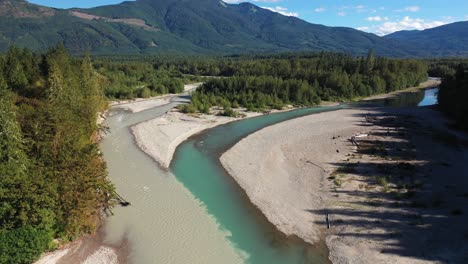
[443, 41]
[206, 27]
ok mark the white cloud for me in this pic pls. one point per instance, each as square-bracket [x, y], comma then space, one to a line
[363, 28]
[282, 10]
[377, 18]
[360, 8]
[357, 9]
[320, 9]
[409, 9]
[407, 23]
[374, 18]
[412, 8]
[341, 13]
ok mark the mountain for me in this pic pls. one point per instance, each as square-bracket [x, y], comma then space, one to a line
[183, 27]
[443, 41]
[220, 27]
[37, 27]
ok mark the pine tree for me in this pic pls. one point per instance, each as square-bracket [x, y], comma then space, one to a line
[370, 60]
[14, 71]
[13, 162]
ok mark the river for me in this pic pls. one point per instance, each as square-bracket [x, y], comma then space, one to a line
[196, 213]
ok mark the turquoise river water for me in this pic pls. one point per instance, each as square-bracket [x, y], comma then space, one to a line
[211, 201]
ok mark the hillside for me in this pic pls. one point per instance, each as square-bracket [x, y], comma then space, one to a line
[38, 28]
[447, 40]
[226, 28]
[184, 27]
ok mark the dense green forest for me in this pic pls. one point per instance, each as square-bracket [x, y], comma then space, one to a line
[265, 83]
[453, 95]
[444, 67]
[141, 78]
[53, 179]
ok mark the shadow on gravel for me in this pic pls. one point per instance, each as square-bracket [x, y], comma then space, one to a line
[405, 186]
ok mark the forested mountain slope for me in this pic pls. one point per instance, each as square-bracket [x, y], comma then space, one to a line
[448, 40]
[198, 27]
[179, 26]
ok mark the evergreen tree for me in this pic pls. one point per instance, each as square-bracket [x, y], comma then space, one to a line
[14, 163]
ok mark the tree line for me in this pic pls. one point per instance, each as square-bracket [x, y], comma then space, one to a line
[453, 94]
[140, 79]
[53, 178]
[264, 83]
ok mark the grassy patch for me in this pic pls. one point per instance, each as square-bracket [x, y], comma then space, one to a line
[338, 181]
[382, 181]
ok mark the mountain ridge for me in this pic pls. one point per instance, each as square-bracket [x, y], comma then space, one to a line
[183, 27]
[438, 40]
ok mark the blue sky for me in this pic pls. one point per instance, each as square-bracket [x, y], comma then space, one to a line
[379, 17]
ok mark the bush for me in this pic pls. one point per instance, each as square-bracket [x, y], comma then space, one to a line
[229, 112]
[187, 108]
[23, 245]
[145, 93]
[382, 181]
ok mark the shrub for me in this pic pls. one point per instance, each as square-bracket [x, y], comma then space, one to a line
[187, 108]
[145, 93]
[23, 245]
[229, 112]
[382, 181]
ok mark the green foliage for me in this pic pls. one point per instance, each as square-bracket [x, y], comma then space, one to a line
[140, 78]
[266, 83]
[23, 245]
[382, 181]
[53, 176]
[145, 93]
[229, 112]
[188, 108]
[207, 27]
[453, 95]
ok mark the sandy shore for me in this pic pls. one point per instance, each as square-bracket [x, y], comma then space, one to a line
[87, 250]
[386, 202]
[139, 105]
[278, 177]
[160, 137]
[431, 82]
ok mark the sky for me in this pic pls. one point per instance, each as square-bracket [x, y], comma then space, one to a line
[380, 17]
